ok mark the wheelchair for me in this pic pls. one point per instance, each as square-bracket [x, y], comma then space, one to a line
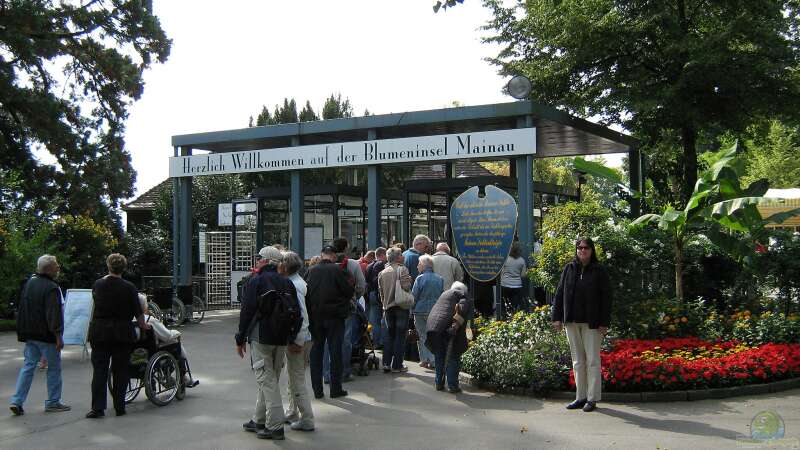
[157, 370]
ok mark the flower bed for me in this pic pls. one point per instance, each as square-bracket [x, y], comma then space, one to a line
[691, 363]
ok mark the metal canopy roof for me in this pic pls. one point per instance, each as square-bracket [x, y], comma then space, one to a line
[558, 133]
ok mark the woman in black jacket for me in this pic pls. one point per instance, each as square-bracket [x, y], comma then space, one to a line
[582, 305]
[116, 304]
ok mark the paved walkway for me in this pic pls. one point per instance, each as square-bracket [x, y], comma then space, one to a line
[382, 412]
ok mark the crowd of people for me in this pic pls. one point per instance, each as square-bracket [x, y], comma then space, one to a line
[303, 318]
[394, 289]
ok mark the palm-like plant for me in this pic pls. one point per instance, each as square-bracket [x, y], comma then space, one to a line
[719, 208]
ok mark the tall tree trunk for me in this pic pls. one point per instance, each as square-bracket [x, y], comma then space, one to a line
[688, 162]
[679, 269]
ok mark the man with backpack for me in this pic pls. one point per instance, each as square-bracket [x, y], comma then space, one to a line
[328, 302]
[269, 320]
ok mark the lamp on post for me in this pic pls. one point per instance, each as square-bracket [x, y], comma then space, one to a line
[519, 87]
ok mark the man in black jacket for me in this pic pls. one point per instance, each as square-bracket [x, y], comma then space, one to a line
[40, 325]
[268, 349]
[328, 303]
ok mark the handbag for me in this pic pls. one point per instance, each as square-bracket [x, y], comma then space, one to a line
[402, 298]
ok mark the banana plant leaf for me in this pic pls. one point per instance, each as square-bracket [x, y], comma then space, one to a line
[598, 170]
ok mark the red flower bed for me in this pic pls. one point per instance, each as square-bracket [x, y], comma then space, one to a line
[690, 363]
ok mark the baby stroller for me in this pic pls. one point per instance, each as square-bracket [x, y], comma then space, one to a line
[363, 358]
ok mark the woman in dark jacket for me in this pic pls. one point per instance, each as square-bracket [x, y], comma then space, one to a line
[447, 336]
[582, 305]
[116, 304]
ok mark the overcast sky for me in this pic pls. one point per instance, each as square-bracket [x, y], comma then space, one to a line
[230, 58]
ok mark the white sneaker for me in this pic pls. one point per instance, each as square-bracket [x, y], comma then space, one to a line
[302, 426]
[187, 380]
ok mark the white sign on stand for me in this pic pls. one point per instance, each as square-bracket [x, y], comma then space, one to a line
[78, 309]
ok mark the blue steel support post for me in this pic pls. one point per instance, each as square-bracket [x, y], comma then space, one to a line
[176, 231]
[525, 224]
[373, 201]
[182, 233]
[297, 209]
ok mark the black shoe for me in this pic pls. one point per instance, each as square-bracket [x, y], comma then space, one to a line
[577, 404]
[120, 412]
[275, 435]
[319, 395]
[252, 426]
[455, 390]
[590, 406]
[95, 414]
[16, 410]
[341, 393]
[439, 387]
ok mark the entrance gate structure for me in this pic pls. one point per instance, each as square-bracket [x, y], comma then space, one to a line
[519, 132]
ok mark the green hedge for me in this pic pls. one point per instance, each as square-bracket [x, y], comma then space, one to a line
[8, 325]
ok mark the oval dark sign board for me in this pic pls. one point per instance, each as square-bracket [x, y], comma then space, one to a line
[483, 230]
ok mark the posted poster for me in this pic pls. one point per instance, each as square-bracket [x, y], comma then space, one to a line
[77, 315]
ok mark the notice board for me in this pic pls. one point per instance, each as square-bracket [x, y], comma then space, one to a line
[78, 309]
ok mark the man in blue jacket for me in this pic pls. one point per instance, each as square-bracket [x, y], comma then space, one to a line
[268, 350]
[40, 325]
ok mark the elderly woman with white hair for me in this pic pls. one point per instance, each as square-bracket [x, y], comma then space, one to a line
[164, 336]
[447, 336]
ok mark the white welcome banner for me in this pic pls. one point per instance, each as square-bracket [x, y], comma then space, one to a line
[484, 144]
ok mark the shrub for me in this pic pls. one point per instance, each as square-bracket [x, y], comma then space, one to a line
[769, 327]
[523, 352]
[81, 246]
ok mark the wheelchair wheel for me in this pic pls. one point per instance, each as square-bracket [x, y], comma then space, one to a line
[199, 307]
[134, 387]
[155, 311]
[162, 378]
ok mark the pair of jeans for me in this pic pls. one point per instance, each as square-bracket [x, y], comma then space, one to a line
[348, 341]
[394, 346]
[34, 350]
[446, 365]
[267, 365]
[376, 318]
[331, 332]
[421, 323]
[299, 408]
[119, 355]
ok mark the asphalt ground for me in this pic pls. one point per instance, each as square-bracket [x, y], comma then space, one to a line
[383, 411]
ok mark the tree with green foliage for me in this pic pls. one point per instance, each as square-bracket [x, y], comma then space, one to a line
[308, 114]
[69, 71]
[680, 69]
[775, 156]
[336, 108]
